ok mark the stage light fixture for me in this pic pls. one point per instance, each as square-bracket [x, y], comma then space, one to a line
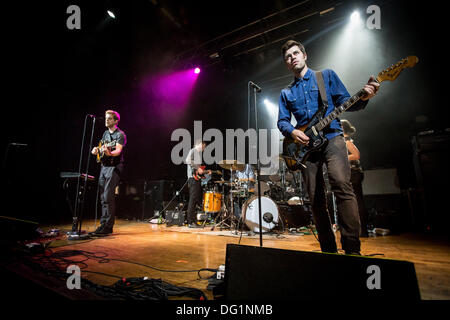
[111, 14]
[271, 107]
[197, 70]
[355, 19]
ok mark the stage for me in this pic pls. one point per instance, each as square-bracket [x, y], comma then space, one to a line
[142, 249]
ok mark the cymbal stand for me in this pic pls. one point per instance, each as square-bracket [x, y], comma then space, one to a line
[224, 211]
[283, 179]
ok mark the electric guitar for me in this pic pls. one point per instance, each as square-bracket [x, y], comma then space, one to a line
[101, 154]
[295, 154]
[198, 176]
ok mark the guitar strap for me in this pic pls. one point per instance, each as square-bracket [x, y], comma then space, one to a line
[323, 94]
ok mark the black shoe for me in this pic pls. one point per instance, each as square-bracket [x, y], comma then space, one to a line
[99, 229]
[194, 225]
[102, 232]
[353, 253]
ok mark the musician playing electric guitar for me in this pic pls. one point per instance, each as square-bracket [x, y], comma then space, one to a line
[302, 99]
[110, 154]
[194, 172]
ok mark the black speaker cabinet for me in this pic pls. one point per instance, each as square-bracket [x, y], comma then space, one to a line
[431, 157]
[175, 217]
[295, 216]
[259, 273]
[158, 191]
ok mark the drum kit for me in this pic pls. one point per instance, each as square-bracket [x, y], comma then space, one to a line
[234, 202]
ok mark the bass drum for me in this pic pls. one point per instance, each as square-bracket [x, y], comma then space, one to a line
[269, 213]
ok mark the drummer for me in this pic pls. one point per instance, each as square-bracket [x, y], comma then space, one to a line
[246, 178]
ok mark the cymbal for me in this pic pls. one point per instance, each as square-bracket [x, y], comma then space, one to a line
[225, 182]
[232, 165]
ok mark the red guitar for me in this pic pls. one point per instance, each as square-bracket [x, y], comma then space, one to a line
[198, 176]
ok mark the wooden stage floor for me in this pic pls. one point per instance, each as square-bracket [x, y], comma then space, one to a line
[182, 248]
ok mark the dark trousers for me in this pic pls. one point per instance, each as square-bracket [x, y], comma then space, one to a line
[195, 198]
[357, 178]
[108, 181]
[334, 155]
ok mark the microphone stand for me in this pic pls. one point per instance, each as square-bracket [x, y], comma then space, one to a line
[257, 89]
[78, 215]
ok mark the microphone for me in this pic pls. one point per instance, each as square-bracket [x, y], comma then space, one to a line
[268, 217]
[254, 85]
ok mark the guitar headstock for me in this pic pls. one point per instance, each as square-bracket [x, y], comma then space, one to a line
[393, 71]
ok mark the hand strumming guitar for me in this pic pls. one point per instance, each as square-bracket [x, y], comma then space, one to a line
[300, 136]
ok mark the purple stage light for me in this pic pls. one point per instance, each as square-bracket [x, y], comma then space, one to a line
[167, 95]
[197, 70]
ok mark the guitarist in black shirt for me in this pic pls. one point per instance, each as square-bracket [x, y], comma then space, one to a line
[110, 154]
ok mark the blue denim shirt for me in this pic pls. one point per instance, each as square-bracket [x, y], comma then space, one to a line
[301, 98]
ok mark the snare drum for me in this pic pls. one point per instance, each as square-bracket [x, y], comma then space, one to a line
[269, 213]
[212, 201]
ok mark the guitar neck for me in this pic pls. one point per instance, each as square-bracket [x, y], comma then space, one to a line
[337, 111]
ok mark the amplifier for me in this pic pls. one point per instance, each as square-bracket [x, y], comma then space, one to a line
[175, 217]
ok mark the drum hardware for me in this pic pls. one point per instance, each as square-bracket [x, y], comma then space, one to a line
[237, 193]
[238, 203]
[295, 201]
[224, 213]
[223, 182]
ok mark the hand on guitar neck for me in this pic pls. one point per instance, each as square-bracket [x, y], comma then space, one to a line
[370, 89]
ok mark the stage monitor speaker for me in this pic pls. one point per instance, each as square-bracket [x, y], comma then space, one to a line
[258, 273]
